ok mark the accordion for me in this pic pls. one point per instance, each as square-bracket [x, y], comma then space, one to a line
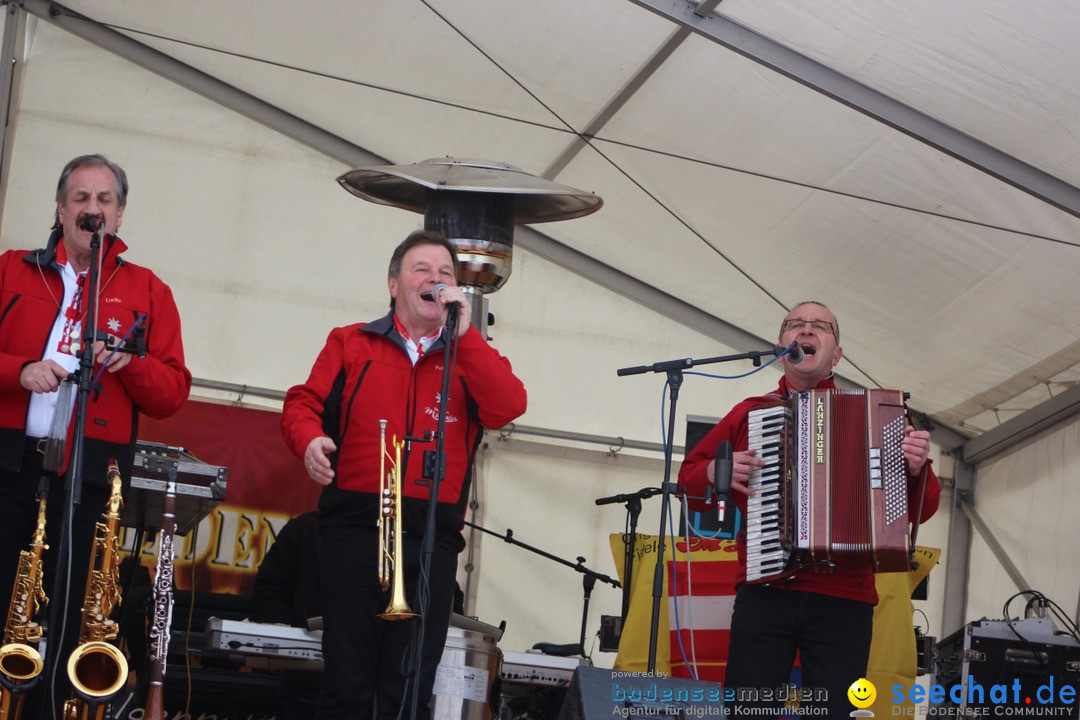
[833, 494]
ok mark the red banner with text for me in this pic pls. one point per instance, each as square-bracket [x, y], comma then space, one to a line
[266, 486]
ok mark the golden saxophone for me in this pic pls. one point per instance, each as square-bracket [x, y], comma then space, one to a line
[98, 670]
[391, 563]
[20, 662]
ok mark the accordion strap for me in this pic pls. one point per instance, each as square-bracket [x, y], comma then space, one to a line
[924, 475]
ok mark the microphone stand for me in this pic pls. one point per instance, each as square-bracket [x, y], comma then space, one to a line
[674, 371]
[73, 486]
[589, 580]
[74, 474]
[428, 542]
[633, 511]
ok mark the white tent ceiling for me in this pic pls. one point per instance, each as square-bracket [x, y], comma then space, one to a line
[727, 185]
[731, 190]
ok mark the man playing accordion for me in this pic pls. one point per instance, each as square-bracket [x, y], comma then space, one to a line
[825, 617]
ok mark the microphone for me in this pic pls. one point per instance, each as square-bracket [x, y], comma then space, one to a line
[434, 292]
[721, 475]
[91, 223]
[795, 354]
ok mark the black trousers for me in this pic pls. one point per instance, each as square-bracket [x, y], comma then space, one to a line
[367, 659]
[769, 624]
[18, 519]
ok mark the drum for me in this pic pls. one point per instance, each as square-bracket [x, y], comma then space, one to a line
[466, 682]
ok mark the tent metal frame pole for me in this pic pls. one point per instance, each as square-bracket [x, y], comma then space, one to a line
[10, 74]
[967, 505]
[335, 147]
[206, 85]
[870, 102]
[355, 156]
[617, 101]
[1057, 409]
[625, 93]
[958, 560]
[963, 519]
[613, 444]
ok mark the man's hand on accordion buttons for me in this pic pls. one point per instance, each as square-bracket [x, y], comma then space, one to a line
[916, 447]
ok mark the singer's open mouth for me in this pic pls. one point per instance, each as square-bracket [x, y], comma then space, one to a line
[808, 349]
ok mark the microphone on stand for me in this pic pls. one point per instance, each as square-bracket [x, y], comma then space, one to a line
[722, 466]
[91, 223]
[793, 352]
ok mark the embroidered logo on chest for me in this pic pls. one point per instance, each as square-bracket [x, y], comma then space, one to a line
[434, 411]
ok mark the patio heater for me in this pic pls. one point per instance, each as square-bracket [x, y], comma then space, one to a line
[476, 204]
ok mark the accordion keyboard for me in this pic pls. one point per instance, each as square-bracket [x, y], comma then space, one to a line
[765, 555]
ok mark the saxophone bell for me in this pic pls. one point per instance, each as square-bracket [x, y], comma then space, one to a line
[391, 562]
[20, 671]
[97, 670]
[20, 662]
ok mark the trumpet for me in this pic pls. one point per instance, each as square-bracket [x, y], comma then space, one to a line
[20, 662]
[391, 575]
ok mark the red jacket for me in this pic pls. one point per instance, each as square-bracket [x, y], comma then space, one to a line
[364, 375]
[693, 478]
[157, 385]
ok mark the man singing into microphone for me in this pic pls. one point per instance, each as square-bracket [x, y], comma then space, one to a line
[391, 369]
[43, 330]
[825, 617]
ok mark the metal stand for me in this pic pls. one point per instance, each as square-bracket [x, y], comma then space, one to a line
[74, 474]
[674, 371]
[633, 511]
[428, 544]
[588, 581]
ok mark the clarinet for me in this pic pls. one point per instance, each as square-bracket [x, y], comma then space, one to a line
[163, 604]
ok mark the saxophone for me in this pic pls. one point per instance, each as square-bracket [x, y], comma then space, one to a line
[98, 670]
[20, 662]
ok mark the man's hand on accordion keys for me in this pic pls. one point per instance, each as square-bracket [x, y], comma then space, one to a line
[743, 464]
[916, 447]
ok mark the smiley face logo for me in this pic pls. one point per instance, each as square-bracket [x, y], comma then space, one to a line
[862, 693]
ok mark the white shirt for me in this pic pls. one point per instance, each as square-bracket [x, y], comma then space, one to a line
[39, 415]
[425, 342]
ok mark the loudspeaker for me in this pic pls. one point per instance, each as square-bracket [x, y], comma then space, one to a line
[599, 693]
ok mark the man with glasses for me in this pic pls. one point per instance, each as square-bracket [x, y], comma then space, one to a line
[826, 618]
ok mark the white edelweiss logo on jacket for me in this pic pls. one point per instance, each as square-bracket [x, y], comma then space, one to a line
[434, 411]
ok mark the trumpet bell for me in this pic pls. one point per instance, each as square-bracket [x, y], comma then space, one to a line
[393, 612]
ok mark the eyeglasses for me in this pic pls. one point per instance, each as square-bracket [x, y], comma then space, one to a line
[822, 326]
